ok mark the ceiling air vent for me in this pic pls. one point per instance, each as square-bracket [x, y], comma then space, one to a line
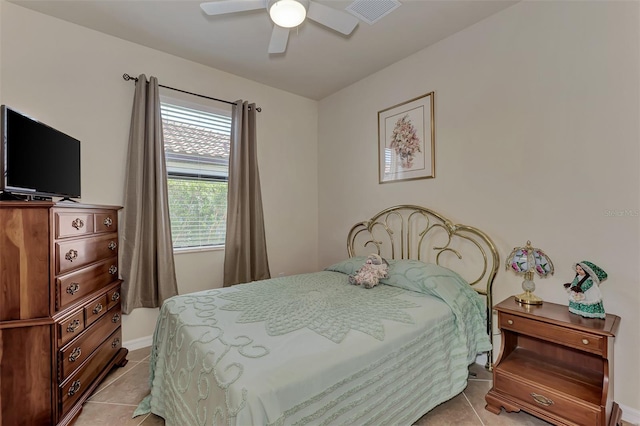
[371, 11]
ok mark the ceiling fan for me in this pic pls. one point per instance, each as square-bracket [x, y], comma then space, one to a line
[286, 14]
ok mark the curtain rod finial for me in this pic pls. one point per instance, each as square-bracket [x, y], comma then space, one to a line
[127, 77]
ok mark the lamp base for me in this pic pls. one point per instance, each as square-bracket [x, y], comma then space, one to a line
[528, 298]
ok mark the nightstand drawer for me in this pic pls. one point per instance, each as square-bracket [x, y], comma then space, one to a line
[537, 398]
[553, 333]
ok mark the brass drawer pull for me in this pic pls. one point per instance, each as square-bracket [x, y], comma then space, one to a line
[585, 341]
[73, 288]
[115, 296]
[113, 269]
[115, 342]
[97, 309]
[73, 325]
[71, 255]
[542, 400]
[116, 318]
[108, 222]
[510, 322]
[74, 388]
[75, 354]
[78, 223]
[112, 245]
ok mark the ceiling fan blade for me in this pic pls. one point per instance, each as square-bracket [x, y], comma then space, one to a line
[231, 6]
[279, 39]
[332, 18]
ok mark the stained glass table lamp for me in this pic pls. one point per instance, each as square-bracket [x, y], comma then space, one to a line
[528, 260]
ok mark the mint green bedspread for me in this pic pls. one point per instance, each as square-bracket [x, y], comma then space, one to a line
[312, 349]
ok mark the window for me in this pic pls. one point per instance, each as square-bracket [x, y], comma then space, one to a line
[196, 145]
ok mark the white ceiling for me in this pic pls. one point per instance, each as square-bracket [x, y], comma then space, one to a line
[318, 61]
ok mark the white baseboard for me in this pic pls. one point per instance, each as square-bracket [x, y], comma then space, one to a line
[630, 415]
[142, 342]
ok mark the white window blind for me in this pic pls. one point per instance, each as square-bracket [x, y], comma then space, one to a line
[197, 156]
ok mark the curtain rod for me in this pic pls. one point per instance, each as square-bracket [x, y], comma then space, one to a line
[127, 77]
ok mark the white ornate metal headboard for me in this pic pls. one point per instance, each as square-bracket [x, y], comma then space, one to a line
[414, 232]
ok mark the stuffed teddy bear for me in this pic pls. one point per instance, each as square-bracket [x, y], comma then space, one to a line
[370, 273]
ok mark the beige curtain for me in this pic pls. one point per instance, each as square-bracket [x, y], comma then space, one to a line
[245, 245]
[146, 254]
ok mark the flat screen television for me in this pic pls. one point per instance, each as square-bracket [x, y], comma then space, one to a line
[37, 161]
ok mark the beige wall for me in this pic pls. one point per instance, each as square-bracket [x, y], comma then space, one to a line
[537, 114]
[70, 78]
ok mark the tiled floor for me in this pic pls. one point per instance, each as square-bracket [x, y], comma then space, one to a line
[113, 403]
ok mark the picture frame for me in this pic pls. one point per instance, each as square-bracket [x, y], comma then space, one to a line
[406, 140]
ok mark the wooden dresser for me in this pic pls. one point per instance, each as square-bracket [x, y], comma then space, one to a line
[60, 309]
[555, 365]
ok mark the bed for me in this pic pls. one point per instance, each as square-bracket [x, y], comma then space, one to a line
[311, 349]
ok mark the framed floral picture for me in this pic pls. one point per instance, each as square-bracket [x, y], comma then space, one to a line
[406, 140]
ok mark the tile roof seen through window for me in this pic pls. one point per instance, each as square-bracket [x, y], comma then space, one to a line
[186, 139]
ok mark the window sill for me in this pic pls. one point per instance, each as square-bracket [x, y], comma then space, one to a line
[197, 249]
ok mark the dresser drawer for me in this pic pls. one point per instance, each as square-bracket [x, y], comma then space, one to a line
[70, 327]
[106, 222]
[538, 398]
[80, 381]
[73, 355]
[76, 285]
[113, 298]
[73, 224]
[72, 255]
[95, 309]
[553, 333]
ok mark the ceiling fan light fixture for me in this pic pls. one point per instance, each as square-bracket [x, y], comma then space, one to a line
[287, 13]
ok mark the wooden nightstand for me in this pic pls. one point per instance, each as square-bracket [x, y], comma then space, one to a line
[555, 365]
